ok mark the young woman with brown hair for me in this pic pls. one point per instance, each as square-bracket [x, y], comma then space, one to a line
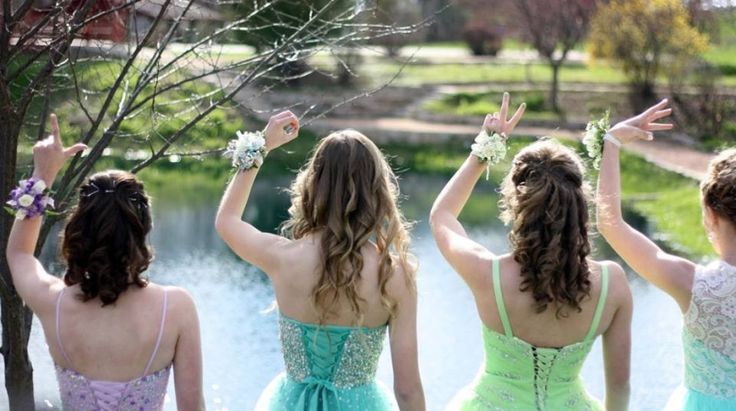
[542, 304]
[114, 336]
[706, 294]
[341, 273]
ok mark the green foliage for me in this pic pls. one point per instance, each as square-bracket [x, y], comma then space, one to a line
[479, 104]
[640, 34]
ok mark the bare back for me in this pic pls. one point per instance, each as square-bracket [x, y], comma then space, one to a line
[115, 342]
[299, 272]
[545, 329]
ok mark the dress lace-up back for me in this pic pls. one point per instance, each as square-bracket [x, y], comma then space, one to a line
[328, 367]
[520, 376]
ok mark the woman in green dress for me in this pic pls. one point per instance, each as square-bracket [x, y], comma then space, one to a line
[341, 273]
[542, 304]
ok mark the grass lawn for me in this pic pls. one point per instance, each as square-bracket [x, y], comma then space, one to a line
[480, 104]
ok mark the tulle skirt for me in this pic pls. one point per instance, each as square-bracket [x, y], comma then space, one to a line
[284, 394]
[684, 399]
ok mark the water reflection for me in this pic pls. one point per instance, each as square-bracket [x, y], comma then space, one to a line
[240, 340]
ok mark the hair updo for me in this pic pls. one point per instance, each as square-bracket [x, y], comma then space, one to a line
[545, 199]
[104, 242]
[719, 186]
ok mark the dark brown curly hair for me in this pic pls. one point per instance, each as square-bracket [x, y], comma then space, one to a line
[104, 241]
[348, 194]
[719, 186]
[545, 199]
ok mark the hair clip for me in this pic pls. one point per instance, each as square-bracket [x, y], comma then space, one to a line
[97, 190]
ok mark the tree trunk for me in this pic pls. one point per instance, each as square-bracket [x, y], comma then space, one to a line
[554, 88]
[16, 317]
[642, 95]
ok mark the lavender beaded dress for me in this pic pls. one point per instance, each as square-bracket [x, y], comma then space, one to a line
[79, 393]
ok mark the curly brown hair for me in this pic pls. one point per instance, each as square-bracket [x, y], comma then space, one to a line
[348, 195]
[719, 186]
[545, 199]
[104, 241]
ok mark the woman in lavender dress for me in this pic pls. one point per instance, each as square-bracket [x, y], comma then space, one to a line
[113, 335]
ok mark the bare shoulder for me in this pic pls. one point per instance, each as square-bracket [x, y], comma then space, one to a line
[180, 301]
[403, 279]
[618, 285]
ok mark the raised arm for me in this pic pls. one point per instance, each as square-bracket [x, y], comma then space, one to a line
[31, 281]
[251, 244]
[404, 353]
[464, 254]
[672, 274]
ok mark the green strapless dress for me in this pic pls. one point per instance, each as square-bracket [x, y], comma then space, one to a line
[520, 376]
[328, 367]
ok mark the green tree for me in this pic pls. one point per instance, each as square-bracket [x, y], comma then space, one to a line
[641, 36]
[148, 101]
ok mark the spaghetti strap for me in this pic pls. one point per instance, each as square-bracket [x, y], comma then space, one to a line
[499, 299]
[58, 329]
[160, 332]
[601, 304]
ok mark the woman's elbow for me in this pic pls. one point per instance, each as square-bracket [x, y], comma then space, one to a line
[408, 392]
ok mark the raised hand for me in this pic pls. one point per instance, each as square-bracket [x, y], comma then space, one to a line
[49, 154]
[641, 126]
[281, 129]
[497, 122]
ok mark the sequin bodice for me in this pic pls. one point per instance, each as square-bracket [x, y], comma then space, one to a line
[520, 376]
[709, 334]
[142, 394]
[533, 378]
[333, 356]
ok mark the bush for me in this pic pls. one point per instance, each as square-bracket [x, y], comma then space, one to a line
[483, 40]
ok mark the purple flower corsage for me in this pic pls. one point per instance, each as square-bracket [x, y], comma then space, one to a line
[29, 199]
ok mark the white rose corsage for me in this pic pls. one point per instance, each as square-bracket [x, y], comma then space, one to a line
[489, 148]
[595, 132]
[29, 199]
[248, 150]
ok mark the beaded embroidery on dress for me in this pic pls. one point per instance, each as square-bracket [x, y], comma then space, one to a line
[709, 342]
[520, 376]
[328, 367]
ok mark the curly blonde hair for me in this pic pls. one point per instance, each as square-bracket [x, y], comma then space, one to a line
[348, 195]
[545, 199]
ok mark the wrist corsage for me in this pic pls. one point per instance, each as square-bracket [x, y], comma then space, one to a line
[489, 148]
[595, 132]
[248, 150]
[29, 199]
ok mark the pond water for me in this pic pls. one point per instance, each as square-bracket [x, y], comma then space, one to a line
[241, 348]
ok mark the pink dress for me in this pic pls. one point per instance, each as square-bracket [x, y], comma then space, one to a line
[79, 393]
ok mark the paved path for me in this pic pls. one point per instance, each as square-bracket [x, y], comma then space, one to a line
[666, 154]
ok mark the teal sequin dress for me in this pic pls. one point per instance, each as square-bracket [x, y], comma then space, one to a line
[328, 367]
[709, 342]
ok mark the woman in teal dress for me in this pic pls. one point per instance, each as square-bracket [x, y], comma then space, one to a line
[543, 304]
[341, 273]
[706, 294]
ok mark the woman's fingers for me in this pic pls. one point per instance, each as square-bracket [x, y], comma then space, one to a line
[657, 107]
[660, 114]
[71, 151]
[504, 107]
[659, 126]
[55, 129]
[517, 116]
